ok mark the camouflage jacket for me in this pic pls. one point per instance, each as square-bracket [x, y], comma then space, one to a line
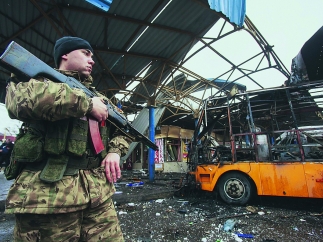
[41, 99]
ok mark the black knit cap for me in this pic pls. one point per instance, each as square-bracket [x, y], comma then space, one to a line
[67, 44]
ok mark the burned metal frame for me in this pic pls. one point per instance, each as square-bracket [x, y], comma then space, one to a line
[179, 94]
[274, 124]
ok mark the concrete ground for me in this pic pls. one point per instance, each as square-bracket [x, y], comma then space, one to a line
[4, 188]
[7, 222]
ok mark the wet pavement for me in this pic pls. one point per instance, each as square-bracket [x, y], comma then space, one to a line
[204, 219]
[7, 222]
[4, 188]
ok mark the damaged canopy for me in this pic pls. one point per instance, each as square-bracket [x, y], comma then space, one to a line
[308, 64]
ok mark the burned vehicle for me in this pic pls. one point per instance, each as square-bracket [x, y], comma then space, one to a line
[266, 142]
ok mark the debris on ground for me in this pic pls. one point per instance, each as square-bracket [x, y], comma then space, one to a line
[201, 216]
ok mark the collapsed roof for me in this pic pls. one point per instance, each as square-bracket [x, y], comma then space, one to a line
[140, 47]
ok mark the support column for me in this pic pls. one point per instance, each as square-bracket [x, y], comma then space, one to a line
[151, 152]
[196, 125]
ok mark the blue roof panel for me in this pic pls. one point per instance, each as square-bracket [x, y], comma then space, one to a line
[235, 10]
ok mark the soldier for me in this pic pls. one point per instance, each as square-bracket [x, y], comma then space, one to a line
[63, 190]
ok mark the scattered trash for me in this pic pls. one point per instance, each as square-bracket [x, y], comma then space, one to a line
[118, 192]
[144, 239]
[136, 184]
[229, 224]
[122, 212]
[251, 209]
[182, 201]
[198, 218]
[130, 207]
[237, 239]
[245, 235]
[183, 211]
[232, 216]
[159, 200]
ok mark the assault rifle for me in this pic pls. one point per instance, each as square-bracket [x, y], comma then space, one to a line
[22, 63]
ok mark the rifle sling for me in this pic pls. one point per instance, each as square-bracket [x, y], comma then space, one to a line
[95, 135]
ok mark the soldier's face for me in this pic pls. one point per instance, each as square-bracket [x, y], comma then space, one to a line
[79, 60]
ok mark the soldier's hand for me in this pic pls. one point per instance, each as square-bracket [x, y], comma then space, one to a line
[99, 110]
[112, 169]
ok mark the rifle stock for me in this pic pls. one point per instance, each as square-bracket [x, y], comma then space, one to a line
[19, 61]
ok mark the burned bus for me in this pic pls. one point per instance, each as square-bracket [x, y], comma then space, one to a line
[266, 142]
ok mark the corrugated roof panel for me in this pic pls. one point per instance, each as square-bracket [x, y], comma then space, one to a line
[138, 9]
[181, 15]
[125, 67]
[101, 4]
[235, 10]
[12, 19]
[157, 42]
[168, 42]
[119, 34]
[91, 26]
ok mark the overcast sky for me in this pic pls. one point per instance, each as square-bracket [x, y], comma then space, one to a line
[286, 24]
[7, 125]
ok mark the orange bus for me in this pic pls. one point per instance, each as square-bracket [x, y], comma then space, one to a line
[265, 142]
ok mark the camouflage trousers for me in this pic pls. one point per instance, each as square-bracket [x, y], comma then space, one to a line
[92, 224]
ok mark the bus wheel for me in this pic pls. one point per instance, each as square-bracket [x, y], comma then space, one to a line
[235, 188]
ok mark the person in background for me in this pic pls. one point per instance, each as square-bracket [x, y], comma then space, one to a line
[2, 141]
[5, 152]
[64, 191]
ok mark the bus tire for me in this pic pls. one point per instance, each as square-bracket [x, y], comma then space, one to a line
[235, 188]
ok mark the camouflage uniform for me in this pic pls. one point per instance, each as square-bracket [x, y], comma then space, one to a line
[41, 207]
